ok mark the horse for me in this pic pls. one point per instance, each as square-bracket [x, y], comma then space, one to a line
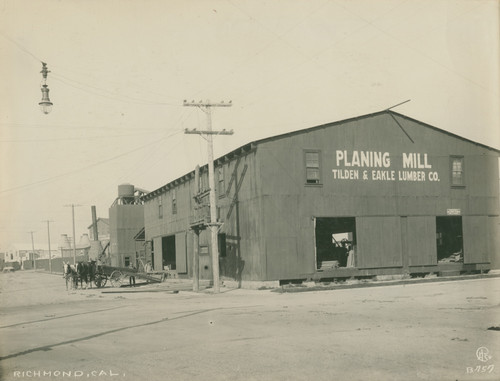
[69, 274]
[86, 272]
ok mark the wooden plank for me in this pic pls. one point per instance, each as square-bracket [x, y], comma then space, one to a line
[157, 253]
[180, 253]
[379, 241]
[475, 239]
[148, 277]
[422, 240]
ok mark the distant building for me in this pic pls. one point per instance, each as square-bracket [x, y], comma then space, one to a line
[99, 244]
[406, 197]
[19, 252]
[102, 230]
[81, 251]
[24, 255]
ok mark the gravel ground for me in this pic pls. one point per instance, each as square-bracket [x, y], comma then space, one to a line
[424, 331]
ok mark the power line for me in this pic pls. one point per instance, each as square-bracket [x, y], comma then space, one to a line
[85, 127]
[419, 51]
[78, 138]
[114, 96]
[152, 165]
[322, 52]
[84, 168]
[20, 47]
[83, 86]
[367, 24]
[245, 62]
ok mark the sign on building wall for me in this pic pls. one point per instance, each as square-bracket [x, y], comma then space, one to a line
[380, 166]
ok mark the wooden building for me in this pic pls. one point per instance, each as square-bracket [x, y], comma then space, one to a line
[373, 195]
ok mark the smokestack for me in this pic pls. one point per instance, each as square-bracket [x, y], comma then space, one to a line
[94, 223]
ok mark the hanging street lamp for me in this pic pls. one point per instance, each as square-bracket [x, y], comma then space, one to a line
[45, 104]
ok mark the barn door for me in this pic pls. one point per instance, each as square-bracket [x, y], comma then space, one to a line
[475, 239]
[421, 240]
[379, 242]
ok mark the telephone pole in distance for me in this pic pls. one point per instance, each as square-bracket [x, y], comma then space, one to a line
[74, 238]
[33, 250]
[48, 236]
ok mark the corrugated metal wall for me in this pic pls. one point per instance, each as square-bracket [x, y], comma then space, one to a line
[395, 219]
[379, 242]
[476, 236]
[269, 225]
[180, 252]
[421, 247]
[157, 253]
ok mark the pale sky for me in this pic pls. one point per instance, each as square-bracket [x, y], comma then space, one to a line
[120, 70]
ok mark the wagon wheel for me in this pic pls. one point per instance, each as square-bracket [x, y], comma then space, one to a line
[115, 278]
[100, 280]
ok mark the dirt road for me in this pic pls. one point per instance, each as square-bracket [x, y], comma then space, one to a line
[427, 331]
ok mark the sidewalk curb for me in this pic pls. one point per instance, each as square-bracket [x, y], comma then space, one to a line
[319, 287]
[339, 286]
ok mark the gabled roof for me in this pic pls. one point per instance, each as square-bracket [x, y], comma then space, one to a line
[105, 220]
[27, 247]
[389, 112]
[245, 149]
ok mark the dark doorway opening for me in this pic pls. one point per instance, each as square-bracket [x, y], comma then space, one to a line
[168, 252]
[221, 239]
[335, 242]
[449, 239]
[152, 254]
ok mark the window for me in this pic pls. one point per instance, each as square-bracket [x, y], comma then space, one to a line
[127, 261]
[174, 201]
[312, 167]
[457, 171]
[220, 175]
[160, 208]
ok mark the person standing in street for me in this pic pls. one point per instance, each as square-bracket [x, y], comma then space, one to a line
[131, 278]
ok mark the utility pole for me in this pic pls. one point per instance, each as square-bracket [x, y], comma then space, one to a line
[50, 254]
[33, 250]
[74, 238]
[206, 107]
[196, 229]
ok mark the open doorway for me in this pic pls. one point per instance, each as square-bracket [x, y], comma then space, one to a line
[168, 252]
[449, 239]
[335, 242]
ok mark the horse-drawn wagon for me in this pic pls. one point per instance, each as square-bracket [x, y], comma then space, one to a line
[99, 274]
[119, 276]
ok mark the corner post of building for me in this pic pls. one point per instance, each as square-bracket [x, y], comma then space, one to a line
[196, 260]
[196, 236]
